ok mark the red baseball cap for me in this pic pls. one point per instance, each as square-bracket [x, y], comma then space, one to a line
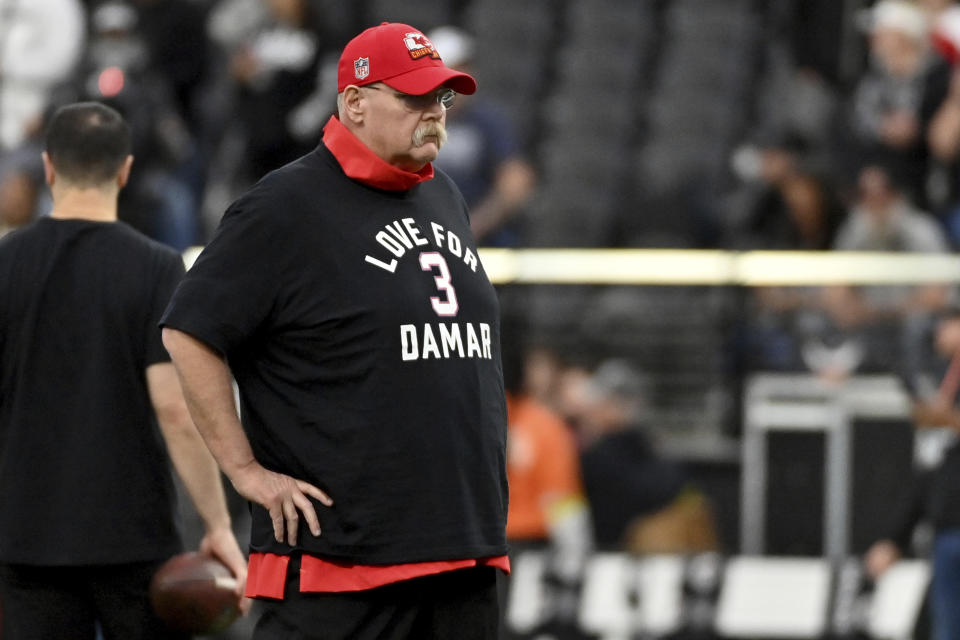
[401, 57]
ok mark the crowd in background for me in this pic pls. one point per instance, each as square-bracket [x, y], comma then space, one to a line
[211, 90]
[851, 141]
[222, 91]
[219, 93]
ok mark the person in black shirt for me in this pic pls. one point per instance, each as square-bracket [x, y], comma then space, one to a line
[641, 500]
[90, 406]
[934, 495]
[344, 295]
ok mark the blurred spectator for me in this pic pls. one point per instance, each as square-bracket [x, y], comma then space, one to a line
[542, 369]
[547, 506]
[884, 219]
[23, 196]
[935, 497]
[482, 154]
[40, 44]
[571, 393]
[639, 501]
[899, 93]
[794, 208]
[799, 212]
[175, 35]
[117, 70]
[176, 41]
[861, 324]
[786, 200]
[548, 510]
[943, 135]
[274, 51]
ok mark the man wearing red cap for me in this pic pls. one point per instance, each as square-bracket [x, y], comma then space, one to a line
[344, 294]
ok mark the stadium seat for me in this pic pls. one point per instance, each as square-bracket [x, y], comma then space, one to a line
[660, 589]
[526, 602]
[898, 599]
[609, 586]
[768, 597]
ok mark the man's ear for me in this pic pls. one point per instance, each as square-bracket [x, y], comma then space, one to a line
[354, 104]
[123, 175]
[49, 173]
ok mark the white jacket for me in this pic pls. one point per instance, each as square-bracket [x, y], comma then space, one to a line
[41, 42]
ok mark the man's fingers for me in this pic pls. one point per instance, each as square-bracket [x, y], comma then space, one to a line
[308, 488]
[285, 515]
[277, 518]
[240, 573]
[237, 566]
[293, 520]
[309, 513]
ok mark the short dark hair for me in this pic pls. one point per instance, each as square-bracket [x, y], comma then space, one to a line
[87, 142]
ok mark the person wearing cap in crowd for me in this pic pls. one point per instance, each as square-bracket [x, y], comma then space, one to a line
[484, 156]
[344, 294]
[898, 95]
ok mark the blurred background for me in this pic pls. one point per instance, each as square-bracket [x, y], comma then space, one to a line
[663, 436]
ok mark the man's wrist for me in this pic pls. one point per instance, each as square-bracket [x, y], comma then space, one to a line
[221, 523]
[239, 472]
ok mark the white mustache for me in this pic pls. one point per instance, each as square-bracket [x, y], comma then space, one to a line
[431, 129]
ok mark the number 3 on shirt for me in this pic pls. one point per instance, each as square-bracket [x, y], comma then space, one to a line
[445, 307]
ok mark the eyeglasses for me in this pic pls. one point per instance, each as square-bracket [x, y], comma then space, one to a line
[414, 103]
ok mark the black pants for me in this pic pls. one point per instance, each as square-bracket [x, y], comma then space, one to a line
[67, 603]
[459, 604]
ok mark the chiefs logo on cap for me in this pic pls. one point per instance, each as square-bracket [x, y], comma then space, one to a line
[419, 46]
[361, 68]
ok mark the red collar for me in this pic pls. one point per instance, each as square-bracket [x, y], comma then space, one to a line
[363, 165]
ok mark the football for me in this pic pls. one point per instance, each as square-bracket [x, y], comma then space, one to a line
[195, 593]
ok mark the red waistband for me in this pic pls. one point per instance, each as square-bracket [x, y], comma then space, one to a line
[267, 573]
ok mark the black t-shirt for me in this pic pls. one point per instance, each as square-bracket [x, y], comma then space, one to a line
[624, 478]
[943, 502]
[363, 334]
[84, 475]
[931, 496]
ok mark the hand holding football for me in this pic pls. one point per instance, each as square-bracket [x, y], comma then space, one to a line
[195, 593]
